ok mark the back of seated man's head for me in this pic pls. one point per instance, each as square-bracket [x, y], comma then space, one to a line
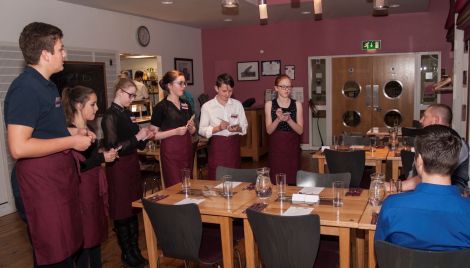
[139, 75]
[441, 113]
[439, 148]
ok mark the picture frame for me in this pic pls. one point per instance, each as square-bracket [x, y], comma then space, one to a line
[248, 71]
[289, 70]
[271, 67]
[186, 67]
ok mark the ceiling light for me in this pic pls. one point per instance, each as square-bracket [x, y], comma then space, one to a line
[317, 7]
[139, 57]
[167, 2]
[229, 3]
[228, 19]
[305, 12]
[380, 4]
[263, 10]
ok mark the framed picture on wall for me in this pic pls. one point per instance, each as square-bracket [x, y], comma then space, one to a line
[247, 71]
[186, 67]
[289, 70]
[271, 67]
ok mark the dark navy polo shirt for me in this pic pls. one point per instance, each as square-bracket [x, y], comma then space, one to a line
[34, 101]
[432, 217]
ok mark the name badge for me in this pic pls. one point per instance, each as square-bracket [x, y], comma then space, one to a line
[184, 106]
[57, 102]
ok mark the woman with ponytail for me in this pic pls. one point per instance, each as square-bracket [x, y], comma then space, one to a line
[80, 107]
[125, 184]
[173, 124]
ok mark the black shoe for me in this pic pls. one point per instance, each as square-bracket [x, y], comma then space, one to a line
[134, 240]
[121, 227]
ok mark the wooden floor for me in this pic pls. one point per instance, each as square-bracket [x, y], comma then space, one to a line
[15, 249]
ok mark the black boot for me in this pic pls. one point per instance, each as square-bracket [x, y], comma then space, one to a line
[121, 227]
[134, 240]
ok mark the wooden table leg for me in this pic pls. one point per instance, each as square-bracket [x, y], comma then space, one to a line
[360, 242]
[321, 165]
[344, 247]
[395, 169]
[151, 240]
[195, 167]
[226, 233]
[249, 245]
[378, 166]
[371, 249]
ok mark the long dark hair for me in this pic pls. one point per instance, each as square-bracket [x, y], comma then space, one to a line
[71, 96]
[169, 78]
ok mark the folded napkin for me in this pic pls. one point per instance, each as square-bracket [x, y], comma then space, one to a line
[297, 211]
[256, 207]
[354, 192]
[189, 201]
[305, 198]
[234, 184]
[251, 186]
[157, 197]
[311, 190]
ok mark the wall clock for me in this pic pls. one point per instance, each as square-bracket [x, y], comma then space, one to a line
[143, 36]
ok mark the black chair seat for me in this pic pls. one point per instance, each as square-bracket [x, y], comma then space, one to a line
[312, 179]
[342, 162]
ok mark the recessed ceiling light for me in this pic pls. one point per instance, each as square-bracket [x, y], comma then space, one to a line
[395, 5]
[228, 19]
[305, 12]
[167, 2]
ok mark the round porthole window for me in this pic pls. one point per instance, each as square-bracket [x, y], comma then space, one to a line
[351, 118]
[393, 89]
[393, 118]
[351, 89]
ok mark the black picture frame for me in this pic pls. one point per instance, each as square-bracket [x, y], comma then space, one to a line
[270, 67]
[248, 71]
[186, 67]
[88, 74]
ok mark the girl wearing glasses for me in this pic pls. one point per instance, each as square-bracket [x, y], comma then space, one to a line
[125, 184]
[223, 120]
[284, 122]
[173, 124]
[80, 107]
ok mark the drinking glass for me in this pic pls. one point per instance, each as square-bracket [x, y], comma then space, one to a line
[281, 184]
[398, 186]
[373, 144]
[336, 142]
[338, 189]
[228, 188]
[185, 179]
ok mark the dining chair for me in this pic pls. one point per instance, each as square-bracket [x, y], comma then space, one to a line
[393, 256]
[312, 179]
[410, 132]
[286, 241]
[407, 160]
[351, 161]
[355, 140]
[238, 174]
[180, 235]
[203, 98]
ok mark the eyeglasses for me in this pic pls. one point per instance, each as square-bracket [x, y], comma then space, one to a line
[285, 87]
[131, 96]
[181, 83]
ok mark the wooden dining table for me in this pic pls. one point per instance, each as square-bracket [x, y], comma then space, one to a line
[368, 223]
[335, 221]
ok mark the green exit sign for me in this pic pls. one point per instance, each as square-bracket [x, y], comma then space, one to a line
[371, 44]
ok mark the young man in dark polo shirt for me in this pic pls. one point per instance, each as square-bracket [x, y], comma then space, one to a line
[38, 138]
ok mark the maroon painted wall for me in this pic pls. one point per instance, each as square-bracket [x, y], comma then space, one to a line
[294, 42]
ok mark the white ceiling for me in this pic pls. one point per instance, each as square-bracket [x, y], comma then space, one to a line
[209, 13]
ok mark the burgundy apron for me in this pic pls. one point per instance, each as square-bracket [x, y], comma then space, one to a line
[223, 151]
[284, 155]
[176, 153]
[49, 189]
[93, 194]
[125, 186]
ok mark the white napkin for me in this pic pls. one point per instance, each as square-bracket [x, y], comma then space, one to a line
[189, 201]
[297, 211]
[305, 198]
[311, 190]
[325, 147]
[234, 184]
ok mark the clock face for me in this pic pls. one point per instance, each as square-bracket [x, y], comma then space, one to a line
[143, 36]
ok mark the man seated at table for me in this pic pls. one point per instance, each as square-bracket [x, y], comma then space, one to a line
[435, 216]
[441, 114]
